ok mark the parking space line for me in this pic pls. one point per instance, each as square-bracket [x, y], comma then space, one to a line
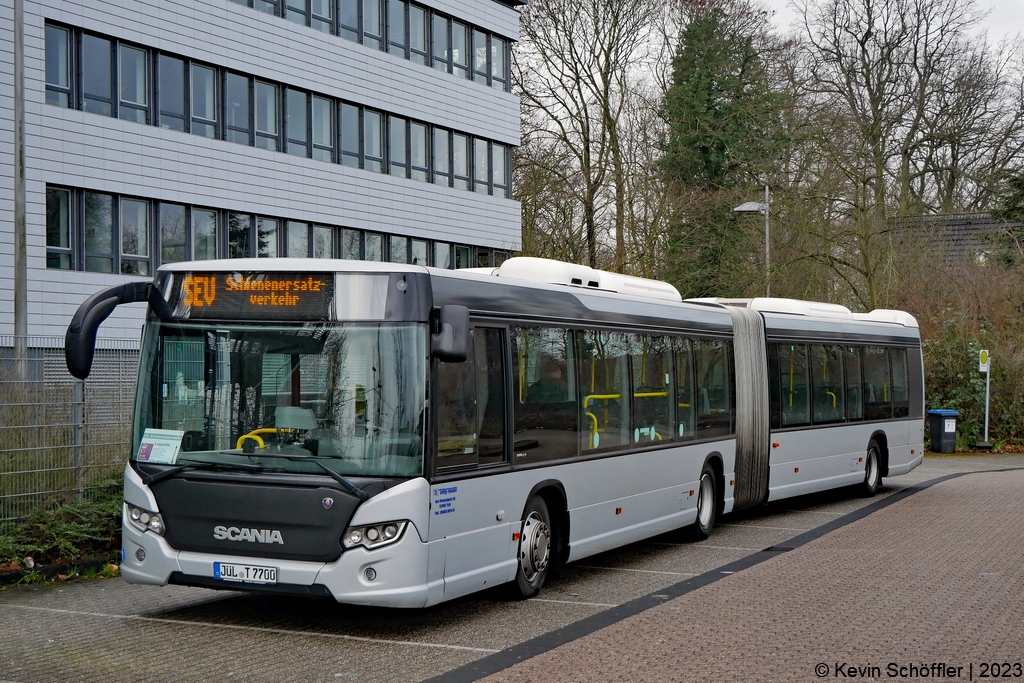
[702, 545]
[816, 512]
[642, 571]
[258, 629]
[773, 528]
[564, 602]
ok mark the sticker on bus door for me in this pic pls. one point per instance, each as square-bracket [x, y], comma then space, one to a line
[443, 499]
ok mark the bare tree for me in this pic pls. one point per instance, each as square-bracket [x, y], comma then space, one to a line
[571, 68]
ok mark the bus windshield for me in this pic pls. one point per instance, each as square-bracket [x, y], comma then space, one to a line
[351, 396]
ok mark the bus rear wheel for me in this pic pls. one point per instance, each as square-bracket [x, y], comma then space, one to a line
[534, 549]
[872, 470]
[707, 504]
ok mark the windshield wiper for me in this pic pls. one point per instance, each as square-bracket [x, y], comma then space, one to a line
[150, 479]
[315, 459]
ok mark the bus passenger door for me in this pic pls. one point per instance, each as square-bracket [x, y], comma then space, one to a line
[471, 517]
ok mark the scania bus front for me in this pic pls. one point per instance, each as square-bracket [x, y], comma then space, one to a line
[279, 431]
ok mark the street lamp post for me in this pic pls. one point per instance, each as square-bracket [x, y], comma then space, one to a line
[762, 207]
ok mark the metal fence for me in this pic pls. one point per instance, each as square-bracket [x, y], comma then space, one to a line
[62, 438]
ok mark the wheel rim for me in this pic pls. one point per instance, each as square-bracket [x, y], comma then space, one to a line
[535, 546]
[706, 500]
[872, 478]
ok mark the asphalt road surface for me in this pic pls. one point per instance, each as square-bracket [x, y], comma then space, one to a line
[107, 630]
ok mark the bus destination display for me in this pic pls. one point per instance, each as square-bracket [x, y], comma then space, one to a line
[256, 296]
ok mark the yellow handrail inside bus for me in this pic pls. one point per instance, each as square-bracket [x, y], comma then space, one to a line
[254, 436]
[593, 429]
[833, 398]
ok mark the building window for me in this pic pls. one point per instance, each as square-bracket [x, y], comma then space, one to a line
[439, 36]
[349, 126]
[323, 15]
[418, 253]
[239, 238]
[323, 129]
[204, 234]
[350, 19]
[418, 139]
[266, 234]
[373, 142]
[134, 237]
[172, 107]
[460, 161]
[373, 24]
[398, 251]
[297, 11]
[97, 75]
[481, 182]
[296, 122]
[374, 247]
[351, 245]
[397, 39]
[442, 255]
[266, 6]
[173, 233]
[99, 232]
[499, 169]
[204, 101]
[58, 228]
[58, 66]
[460, 50]
[267, 132]
[462, 257]
[134, 84]
[480, 57]
[398, 148]
[298, 239]
[323, 242]
[499, 64]
[442, 165]
[237, 109]
[418, 34]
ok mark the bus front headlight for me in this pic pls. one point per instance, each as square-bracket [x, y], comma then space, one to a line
[374, 535]
[144, 520]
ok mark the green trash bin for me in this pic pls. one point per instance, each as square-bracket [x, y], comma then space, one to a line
[942, 428]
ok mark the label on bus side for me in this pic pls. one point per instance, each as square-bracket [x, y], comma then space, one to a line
[444, 500]
[160, 446]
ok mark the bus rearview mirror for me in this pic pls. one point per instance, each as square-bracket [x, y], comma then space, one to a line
[450, 342]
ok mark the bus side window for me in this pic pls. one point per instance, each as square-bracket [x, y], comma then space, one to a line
[877, 384]
[652, 386]
[827, 384]
[714, 389]
[796, 408]
[490, 394]
[543, 394]
[604, 377]
[685, 413]
[774, 387]
[455, 396]
[900, 383]
[854, 384]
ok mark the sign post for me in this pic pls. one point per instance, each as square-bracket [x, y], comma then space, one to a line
[984, 365]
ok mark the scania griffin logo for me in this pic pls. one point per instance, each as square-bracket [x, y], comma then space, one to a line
[233, 533]
[328, 502]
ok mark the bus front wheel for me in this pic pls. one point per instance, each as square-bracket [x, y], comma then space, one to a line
[872, 470]
[707, 504]
[534, 549]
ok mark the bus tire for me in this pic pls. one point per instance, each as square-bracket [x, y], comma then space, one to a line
[534, 554]
[872, 470]
[707, 504]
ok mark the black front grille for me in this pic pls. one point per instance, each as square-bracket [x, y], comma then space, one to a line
[257, 520]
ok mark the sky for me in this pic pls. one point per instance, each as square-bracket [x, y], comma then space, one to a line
[1006, 17]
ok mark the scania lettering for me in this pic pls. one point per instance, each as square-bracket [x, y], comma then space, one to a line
[395, 435]
[252, 535]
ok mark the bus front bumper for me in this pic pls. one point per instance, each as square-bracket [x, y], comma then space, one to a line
[397, 579]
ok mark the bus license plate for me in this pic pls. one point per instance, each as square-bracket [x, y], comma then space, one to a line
[244, 573]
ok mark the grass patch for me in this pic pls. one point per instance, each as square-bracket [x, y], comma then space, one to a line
[61, 533]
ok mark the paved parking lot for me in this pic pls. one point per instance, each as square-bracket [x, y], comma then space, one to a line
[110, 631]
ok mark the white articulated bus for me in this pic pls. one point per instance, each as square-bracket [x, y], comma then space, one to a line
[399, 436]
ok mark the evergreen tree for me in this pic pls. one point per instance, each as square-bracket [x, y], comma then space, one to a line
[722, 117]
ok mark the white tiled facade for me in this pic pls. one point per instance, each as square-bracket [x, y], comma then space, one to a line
[88, 151]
